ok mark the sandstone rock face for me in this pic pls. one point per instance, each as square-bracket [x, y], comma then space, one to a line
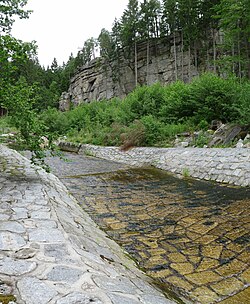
[99, 80]
[64, 102]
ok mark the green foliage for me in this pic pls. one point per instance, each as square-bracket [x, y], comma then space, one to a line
[186, 173]
[9, 10]
[153, 115]
[242, 105]
[145, 100]
[19, 99]
[153, 130]
[213, 98]
[177, 106]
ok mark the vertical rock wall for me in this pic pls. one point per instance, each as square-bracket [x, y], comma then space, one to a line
[98, 80]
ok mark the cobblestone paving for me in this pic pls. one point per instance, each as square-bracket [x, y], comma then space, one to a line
[51, 252]
[191, 236]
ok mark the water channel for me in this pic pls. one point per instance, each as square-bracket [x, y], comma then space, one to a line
[191, 236]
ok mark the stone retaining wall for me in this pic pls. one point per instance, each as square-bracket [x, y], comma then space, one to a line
[222, 165]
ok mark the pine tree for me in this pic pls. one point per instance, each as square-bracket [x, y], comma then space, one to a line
[130, 31]
[170, 15]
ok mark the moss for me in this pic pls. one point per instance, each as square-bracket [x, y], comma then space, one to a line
[6, 299]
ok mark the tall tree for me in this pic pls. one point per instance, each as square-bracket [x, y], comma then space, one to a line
[209, 29]
[170, 15]
[234, 20]
[149, 26]
[106, 44]
[16, 94]
[129, 31]
[188, 11]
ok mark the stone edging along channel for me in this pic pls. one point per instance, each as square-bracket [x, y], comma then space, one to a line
[53, 252]
[226, 165]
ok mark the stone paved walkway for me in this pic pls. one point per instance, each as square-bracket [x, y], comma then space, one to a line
[192, 235]
[52, 252]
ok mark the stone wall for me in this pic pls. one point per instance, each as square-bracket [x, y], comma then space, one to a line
[98, 81]
[230, 165]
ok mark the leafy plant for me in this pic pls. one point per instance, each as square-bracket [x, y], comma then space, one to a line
[33, 135]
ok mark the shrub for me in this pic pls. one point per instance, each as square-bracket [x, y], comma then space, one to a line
[153, 130]
[177, 106]
[242, 104]
[55, 121]
[145, 100]
[153, 115]
[214, 98]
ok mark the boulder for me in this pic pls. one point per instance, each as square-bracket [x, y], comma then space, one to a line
[225, 134]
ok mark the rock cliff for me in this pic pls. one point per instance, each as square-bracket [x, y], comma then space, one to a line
[100, 80]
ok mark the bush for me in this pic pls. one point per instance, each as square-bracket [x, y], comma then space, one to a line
[214, 98]
[55, 121]
[177, 106]
[145, 100]
[153, 130]
[242, 104]
[153, 115]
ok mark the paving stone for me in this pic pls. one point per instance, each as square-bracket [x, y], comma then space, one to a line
[35, 291]
[152, 299]
[204, 295]
[15, 267]
[245, 276]
[119, 284]
[227, 286]
[24, 253]
[232, 267]
[178, 282]
[193, 232]
[183, 268]
[64, 274]
[12, 226]
[55, 250]
[202, 278]
[79, 298]
[19, 213]
[122, 299]
[11, 241]
[46, 224]
[40, 214]
[45, 235]
[239, 298]
[4, 217]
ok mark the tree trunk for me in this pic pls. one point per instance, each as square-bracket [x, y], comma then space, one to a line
[147, 62]
[214, 52]
[233, 54]
[182, 57]
[248, 58]
[196, 57]
[189, 63]
[175, 59]
[136, 68]
[239, 51]
[208, 65]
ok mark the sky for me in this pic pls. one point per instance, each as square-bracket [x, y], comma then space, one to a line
[60, 27]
